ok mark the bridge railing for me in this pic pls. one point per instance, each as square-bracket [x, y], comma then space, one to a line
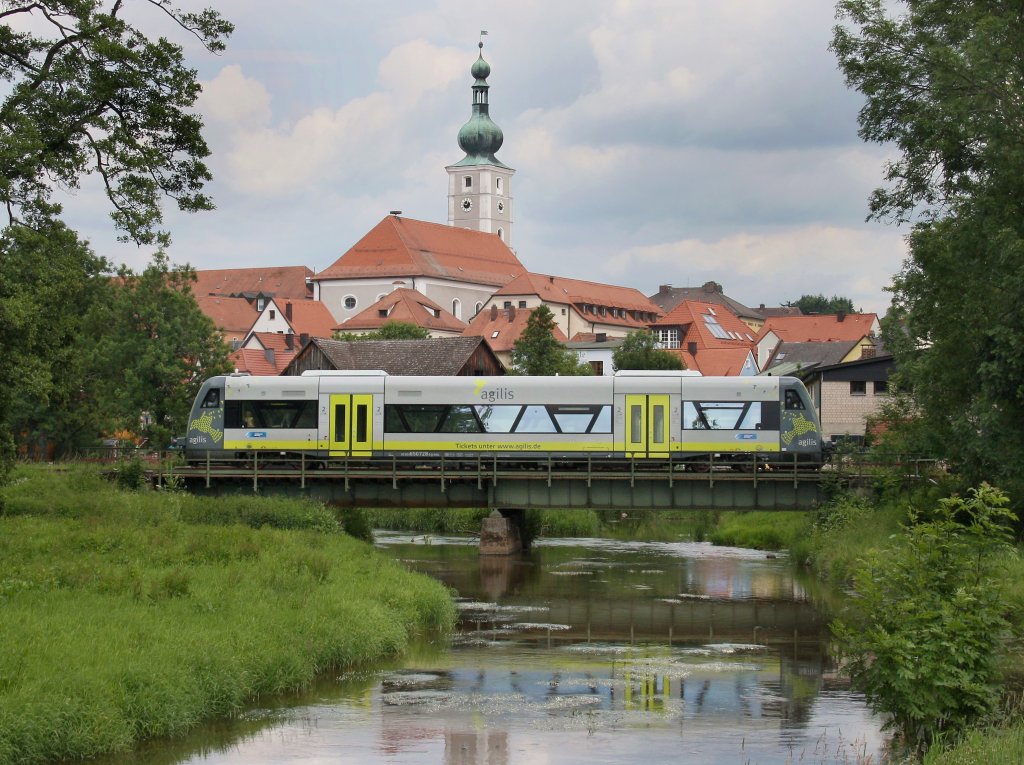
[264, 465]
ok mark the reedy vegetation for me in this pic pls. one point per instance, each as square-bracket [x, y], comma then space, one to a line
[131, 615]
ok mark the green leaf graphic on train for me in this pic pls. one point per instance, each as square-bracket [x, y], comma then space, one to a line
[204, 424]
[799, 426]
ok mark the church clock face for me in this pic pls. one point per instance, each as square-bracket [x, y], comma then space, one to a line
[467, 204]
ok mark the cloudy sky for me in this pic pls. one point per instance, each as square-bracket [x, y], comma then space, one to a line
[655, 141]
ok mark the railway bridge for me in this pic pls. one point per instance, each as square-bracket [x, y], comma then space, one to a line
[502, 484]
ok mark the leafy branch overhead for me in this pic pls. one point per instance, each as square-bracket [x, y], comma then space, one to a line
[91, 93]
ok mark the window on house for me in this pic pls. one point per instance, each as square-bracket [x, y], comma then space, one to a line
[382, 313]
[668, 338]
[507, 304]
[598, 367]
[881, 388]
[501, 235]
[497, 184]
[261, 303]
[477, 308]
[457, 308]
[350, 302]
[858, 388]
[522, 304]
[468, 181]
[273, 314]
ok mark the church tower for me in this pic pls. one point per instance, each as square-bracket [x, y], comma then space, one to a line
[479, 185]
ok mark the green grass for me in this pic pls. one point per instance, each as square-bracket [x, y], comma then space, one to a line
[995, 746]
[132, 615]
[762, 530]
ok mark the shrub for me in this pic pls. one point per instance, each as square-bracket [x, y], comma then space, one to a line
[921, 642]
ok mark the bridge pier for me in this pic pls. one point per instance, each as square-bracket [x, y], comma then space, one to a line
[502, 532]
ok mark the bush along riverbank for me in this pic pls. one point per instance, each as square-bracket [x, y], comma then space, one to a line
[132, 614]
[934, 631]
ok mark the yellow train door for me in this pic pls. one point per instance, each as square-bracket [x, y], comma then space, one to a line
[351, 425]
[647, 425]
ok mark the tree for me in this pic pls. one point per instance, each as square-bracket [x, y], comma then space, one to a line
[389, 330]
[943, 83]
[159, 347]
[640, 351]
[49, 282]
[809, 304]
[90, 92]
[537, 352]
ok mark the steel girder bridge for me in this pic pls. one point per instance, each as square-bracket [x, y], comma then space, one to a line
[509, 483]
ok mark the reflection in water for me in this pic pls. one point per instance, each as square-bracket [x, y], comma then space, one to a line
[582, 652]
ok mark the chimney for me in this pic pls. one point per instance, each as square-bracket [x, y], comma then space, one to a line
[303, 339]
[494, 312]
[601, 337]
[288, 311]
[664, 289]
[289, 341]
[840, 316]
[691, 347]
[761, 308]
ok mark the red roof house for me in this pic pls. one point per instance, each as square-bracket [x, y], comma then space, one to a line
[708, 338]
[407, 306]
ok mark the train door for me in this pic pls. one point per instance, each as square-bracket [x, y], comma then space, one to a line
[647, 425]
[351, 425]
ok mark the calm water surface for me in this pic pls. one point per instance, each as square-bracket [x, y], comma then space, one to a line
[583, 651]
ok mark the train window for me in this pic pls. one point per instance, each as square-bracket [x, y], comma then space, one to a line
[658, 424]
[636, 429]
[722, 415]
[793, 401]
[413, 418]
[461, 419]
[212, 400]
[362, 417]
[535, 419]
[573, 419]
[340, 427]
[498, 418]
[270, 414]
[603, 421]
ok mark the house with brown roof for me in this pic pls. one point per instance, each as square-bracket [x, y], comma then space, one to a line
[708, 338]
[452, 356]
[300, 317]
[410, 307]
[841, 327]
[256, 284]
[266, 353]
[581, 308]
[457, 268]
[668, 297]
[233, 316]
[501, 327]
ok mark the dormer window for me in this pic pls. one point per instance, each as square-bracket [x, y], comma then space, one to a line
[261, 303]
[382, 313]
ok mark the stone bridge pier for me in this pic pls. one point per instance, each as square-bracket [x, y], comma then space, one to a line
[503, 532]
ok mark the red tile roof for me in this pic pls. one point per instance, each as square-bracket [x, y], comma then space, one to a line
[255, 362]
[575, 292]
[234, 317]
[282, 282]
[309, 317]
[820, 328]
[711, 362]
[405, 305]
[501, 327]
[406, 247]
[702, 318]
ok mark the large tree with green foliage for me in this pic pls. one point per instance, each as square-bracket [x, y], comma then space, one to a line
[389, 330]
[92, 93]
[810, 304]
[640, 351]
[944, 85]
[538, 352]
[87, 92]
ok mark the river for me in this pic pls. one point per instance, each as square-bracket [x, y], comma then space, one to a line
[582, 651]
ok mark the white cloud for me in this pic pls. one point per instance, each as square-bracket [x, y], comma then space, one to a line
[234, 99]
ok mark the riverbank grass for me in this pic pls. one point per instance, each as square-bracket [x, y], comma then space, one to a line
[129, 615]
